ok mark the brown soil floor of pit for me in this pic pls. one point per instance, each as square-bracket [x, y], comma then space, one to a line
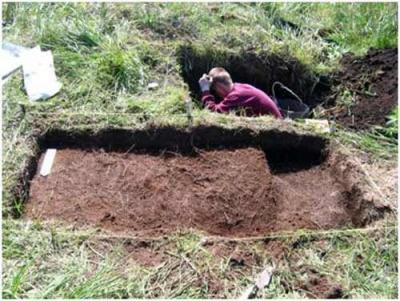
[225, 192]
[373, 80]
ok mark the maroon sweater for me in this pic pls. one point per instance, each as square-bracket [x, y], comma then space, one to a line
[243, 96]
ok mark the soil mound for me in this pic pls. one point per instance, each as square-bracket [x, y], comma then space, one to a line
[224, 192]
[373, 81]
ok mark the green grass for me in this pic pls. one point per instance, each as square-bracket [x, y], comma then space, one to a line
[373, 143]
[105, 56]
[391, 128]
[48, 262]
[355, 27]
[105, 53]
[381, 142]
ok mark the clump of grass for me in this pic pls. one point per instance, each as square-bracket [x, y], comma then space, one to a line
[362, 26]
[168, 101]
[381, 142]
[373, 143]
[119, 70]
[354, 27]
[391, 129]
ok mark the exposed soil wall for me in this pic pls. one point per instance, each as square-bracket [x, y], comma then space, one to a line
[225, 182]
[285, 150]
[224, 189]
[282, 146]
[258, 69]
[20, 191]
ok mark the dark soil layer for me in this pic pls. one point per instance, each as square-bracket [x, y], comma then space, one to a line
[258, 69]
[373, 80]
[286, 151]
[224, 192]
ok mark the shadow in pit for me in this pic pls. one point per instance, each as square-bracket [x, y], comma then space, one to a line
[258, 69]
[285, 151]
[331, 195]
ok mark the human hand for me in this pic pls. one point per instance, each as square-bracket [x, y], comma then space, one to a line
[204, 83]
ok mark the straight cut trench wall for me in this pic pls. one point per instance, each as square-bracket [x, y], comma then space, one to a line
[231, 185]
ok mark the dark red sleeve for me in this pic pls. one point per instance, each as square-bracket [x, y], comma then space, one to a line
[229, 103]
[273, 108]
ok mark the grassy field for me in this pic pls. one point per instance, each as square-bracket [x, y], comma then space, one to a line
[105, 56]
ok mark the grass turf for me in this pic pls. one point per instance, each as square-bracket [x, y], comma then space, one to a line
[105, 56]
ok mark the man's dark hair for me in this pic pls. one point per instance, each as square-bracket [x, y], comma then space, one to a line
[220, 75]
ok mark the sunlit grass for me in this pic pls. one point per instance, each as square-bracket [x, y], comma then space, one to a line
[105, 56]
[44, 261]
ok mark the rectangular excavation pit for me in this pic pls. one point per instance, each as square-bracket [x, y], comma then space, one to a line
[223, 182]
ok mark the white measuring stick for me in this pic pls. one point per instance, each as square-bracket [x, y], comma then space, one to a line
[48, 161]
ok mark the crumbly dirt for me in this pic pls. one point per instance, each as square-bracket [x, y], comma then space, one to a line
[321, 287]
[238, 256]
[373, 81]
[144, 253]
[222, 192]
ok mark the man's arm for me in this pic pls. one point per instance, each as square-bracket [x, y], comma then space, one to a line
[209, 100]
[224, 106]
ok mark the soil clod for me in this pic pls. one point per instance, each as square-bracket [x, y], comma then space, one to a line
[321, 288]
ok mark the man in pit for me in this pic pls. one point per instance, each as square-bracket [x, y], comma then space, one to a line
[234, 96]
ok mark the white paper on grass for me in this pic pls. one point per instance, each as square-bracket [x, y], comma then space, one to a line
[39, 75]
[48, 162]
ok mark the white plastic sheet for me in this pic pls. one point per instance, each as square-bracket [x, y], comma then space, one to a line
[39, 75]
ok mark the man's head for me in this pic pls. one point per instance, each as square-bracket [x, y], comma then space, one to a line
[221, 81]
